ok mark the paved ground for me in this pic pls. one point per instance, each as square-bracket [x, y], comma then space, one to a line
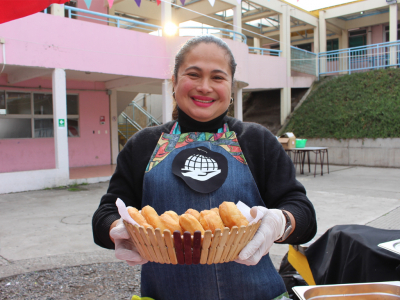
[52, 228]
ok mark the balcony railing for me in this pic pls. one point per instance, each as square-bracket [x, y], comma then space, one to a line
[120, 22]
[264, 51]
[111, 19]
[359, 59]
[303, 61]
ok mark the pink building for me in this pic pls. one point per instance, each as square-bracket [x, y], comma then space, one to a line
[64, 81]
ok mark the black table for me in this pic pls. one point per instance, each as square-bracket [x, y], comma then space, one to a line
[299, 155]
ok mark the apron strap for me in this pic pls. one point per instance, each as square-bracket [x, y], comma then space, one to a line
[176, 129]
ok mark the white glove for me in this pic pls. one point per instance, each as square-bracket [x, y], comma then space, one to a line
[124, 247]
[271, 229]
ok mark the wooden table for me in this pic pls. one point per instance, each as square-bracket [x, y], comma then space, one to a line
[299, 155]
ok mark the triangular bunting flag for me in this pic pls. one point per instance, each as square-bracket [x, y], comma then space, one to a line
[110, 3]
[158, 2]
[183, 2]
[212, 2]
[138, 2]
[88, 3]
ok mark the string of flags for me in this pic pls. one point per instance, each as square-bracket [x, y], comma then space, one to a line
[138, 2]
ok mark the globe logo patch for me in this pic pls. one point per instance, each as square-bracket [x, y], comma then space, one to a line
[202, 169]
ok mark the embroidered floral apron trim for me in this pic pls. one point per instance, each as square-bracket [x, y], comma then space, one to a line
[169, 142]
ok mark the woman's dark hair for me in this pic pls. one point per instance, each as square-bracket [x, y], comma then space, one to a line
[189, 45]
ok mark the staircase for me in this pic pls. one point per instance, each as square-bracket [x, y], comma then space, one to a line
[127, 126]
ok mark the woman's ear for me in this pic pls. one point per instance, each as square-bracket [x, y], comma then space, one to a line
[173, 81]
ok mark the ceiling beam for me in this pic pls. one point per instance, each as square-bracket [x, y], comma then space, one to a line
[369, 21]
[23, 74]
[129, 81]
[203, 7]
[303, 16]
[354, 8]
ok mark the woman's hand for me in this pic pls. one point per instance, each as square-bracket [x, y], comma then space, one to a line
[124, 247]
[272, 227]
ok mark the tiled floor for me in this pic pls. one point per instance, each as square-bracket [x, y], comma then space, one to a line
[89, 172]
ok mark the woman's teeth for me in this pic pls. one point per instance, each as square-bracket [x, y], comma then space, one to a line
[202, 101]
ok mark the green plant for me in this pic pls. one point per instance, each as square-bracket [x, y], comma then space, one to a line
[361, 105]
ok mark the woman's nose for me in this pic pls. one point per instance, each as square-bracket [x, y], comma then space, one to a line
[204, 86]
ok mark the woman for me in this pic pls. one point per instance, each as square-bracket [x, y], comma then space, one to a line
[252, 167]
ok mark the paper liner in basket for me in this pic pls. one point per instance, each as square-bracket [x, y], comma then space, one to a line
[166, 248]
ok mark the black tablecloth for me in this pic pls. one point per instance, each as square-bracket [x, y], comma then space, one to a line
[350, 254]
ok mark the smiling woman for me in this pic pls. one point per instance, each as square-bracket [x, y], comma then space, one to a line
[198, 161]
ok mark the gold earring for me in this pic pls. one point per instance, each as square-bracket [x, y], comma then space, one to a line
[231, 101]
[173, 95]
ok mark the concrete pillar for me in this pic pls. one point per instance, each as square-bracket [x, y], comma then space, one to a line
[322, 40]
[238, 102]
[316, 49]
[57, 10]
[166, 12]
[369, 35]
[284, 36]
[114, 127]
[237, 20]
[167, 100]
[344, 57]
[393, 32]
[59, 90]
[256, 44]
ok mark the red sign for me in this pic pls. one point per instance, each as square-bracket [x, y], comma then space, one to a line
[102, 120]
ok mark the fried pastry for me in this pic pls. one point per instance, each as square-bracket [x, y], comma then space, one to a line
[189, 223]
[152, 218]
[231, 215]
[173, 214]
[170, 223]
[211, 221]
[138, 218]
[194, 213]
[216, 210]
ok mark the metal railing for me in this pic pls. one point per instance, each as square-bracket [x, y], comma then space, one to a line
[264, 51]
[219, 32]
[303, 61]
[111, 19]
[126, 126]
[151, 121]
[359, 59]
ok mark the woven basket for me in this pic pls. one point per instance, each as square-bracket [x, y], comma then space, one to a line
[166, 248]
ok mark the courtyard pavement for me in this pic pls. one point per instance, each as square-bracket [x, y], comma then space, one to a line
[52, 228]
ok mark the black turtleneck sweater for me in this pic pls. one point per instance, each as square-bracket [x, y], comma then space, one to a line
[271, 167]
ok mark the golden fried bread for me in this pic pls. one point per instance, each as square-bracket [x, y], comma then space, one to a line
[211, 221]
[216, 210]
[190, 223]
[152, 217]
[138, 218]
[173, 214]
[231, 215]
[170, 223]
[194, 213]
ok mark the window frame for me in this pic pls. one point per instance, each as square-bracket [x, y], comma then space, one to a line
[32, 116]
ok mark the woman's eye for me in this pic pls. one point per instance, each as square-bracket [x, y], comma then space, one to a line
[218, 78]
[193, 74]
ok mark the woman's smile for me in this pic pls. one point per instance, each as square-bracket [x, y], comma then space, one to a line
[202, 101]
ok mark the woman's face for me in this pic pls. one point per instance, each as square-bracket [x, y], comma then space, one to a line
[204, 81]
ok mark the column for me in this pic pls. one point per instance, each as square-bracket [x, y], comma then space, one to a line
[59, 89]
[237, 21]
[393, 32]
[256, 44]
[57, 10]
[114, 126]
[344, 56]
[166, 12]
[238, 102]
[316, 49]
[322, 40]
[284, 35]
[167, 100]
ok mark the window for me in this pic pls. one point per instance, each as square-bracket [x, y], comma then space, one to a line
[306, 47]
[387, 32]
[357, 38]
[30, 115]
[332, 44]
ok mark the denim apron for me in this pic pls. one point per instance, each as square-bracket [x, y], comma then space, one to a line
[165, 191]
